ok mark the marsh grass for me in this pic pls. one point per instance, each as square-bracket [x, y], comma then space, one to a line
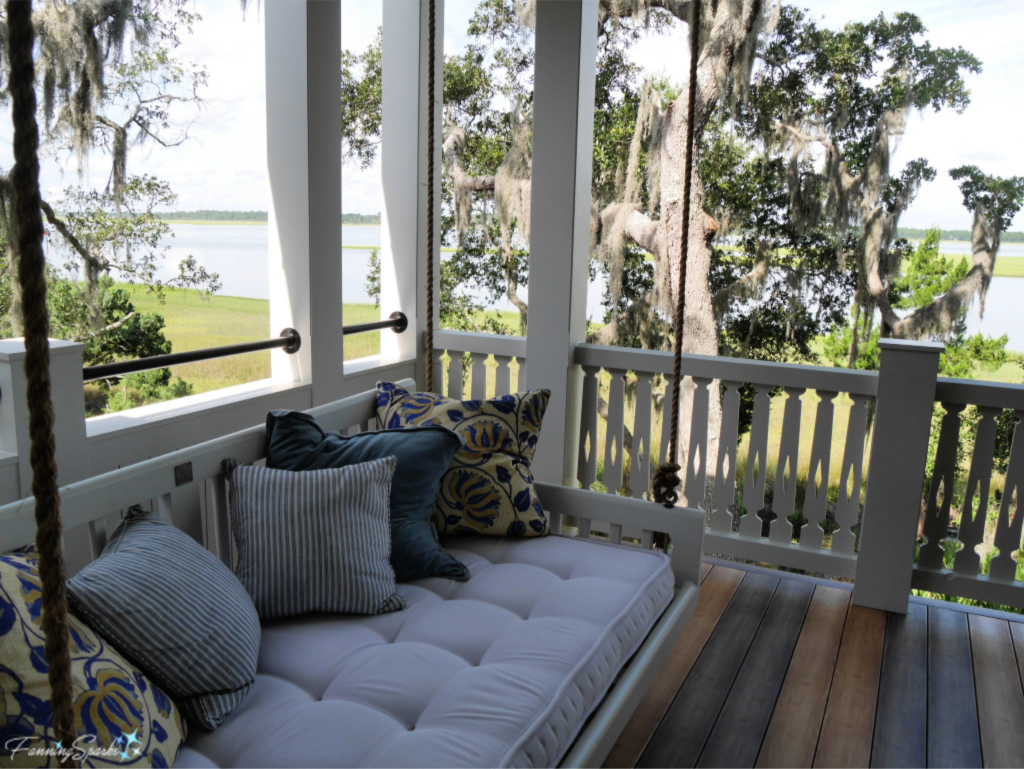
[194, 322]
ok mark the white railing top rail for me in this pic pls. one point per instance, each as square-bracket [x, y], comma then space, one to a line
[997, 395]
[485, 344]
[756, 372]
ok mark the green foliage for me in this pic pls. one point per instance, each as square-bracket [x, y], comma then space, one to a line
[146, 387]
[361, 84]
[915, 233]
[848, 80]
[360, 218]
[997, 198]
[206, 215]
[927, 276]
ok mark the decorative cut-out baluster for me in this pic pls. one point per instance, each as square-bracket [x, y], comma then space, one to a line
[697, 457]
[725, 472]
[640, 453]
[851, 477]
[502, 375]
[666, 420]
[613, 441]
[455, 375]
[784, 493]
[438, 372]
[521, 379]
[754, 481]
[586, 466]
[816, 496]
[975, 509]
[478, 388]
[1008, 530]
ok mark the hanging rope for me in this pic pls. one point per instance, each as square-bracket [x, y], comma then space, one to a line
[431, 54]
[32, 276]
[666, 477]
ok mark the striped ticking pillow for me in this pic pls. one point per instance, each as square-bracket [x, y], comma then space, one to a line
[318, 540]
[174, 610]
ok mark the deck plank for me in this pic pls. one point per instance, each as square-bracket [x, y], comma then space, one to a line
[1017, 632]
[849, 721]
[681, 735]
[736, 736]
[901, 723]
[716, 591]
[953, 737]
[792, 734]
[705, 568]
[1000, 698]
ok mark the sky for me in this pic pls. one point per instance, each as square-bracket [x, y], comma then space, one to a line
[223, 165]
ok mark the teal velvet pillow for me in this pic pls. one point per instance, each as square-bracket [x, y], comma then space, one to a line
[297, 442]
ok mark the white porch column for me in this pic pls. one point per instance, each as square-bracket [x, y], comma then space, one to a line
[563, 135]
[69, 411]
[403, 166]
[304, 171]
[899, 452]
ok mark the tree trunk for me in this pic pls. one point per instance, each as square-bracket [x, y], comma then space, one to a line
[700, 331]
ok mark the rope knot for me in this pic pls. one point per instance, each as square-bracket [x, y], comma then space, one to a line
[666, 481]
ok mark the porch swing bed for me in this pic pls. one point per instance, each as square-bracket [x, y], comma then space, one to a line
[539, 659]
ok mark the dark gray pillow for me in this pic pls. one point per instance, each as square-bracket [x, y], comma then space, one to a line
[296, 442]
[314, 541]
[174, 610]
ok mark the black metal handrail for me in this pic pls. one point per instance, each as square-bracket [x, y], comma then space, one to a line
[397, 322]
[290, 341]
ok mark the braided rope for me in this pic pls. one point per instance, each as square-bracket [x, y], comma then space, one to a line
[431, 55]
[666, 477]
[32, 275]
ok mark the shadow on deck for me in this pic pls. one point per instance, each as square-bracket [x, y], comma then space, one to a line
[778, 670]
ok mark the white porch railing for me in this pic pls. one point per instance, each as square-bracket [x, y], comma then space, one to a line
[798, 496]
[754, 507]
[481, 379]
[953, 559]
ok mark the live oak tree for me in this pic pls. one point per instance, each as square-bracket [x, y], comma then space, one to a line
[837, 102]
[109, 80]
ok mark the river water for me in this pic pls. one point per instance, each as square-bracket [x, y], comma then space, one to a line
[239, 254]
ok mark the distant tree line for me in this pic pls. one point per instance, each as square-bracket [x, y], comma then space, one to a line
[911, 233]
[360, 218]
[214, 216]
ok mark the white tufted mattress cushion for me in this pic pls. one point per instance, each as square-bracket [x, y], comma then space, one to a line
[502, 670]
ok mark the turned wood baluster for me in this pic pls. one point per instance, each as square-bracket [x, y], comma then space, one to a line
[940, 489]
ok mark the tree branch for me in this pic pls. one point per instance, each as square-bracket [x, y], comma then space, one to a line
[106, 329]
[95, 262]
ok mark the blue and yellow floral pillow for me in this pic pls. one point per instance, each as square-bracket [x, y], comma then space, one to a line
[120, 716]
[488, 488]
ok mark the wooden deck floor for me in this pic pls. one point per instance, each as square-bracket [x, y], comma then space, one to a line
[775, 670]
